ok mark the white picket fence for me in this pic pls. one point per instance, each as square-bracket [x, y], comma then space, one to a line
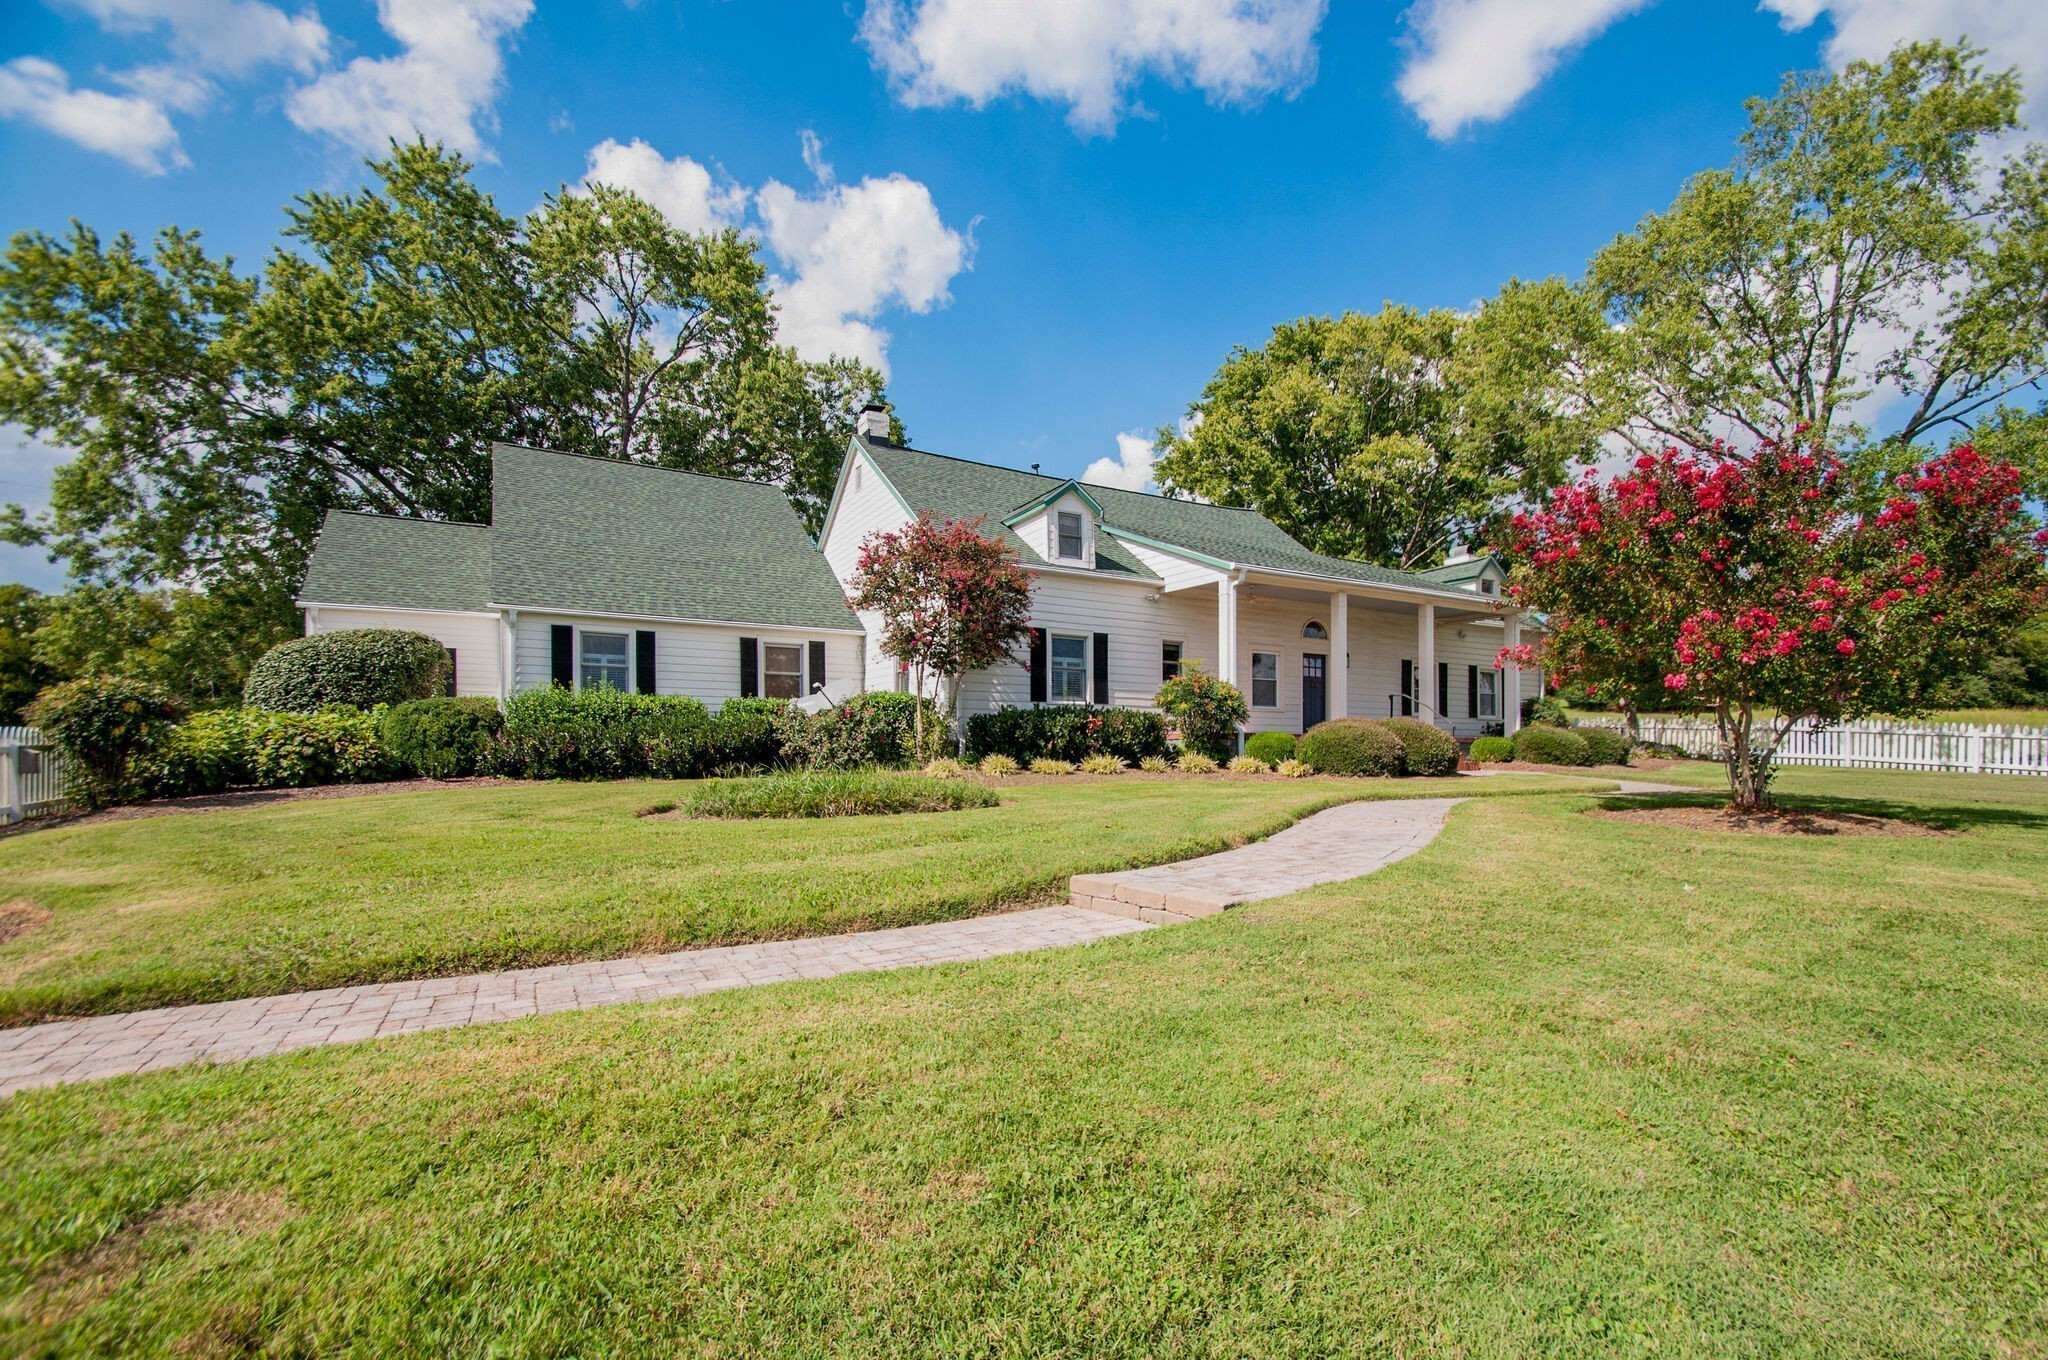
[1955, 748]
[32, 778]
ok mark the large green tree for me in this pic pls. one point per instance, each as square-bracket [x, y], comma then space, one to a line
[1872, 268]
[1390, 437]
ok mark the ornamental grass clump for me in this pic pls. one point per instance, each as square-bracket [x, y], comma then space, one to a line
[1155, 765]
[1102, 764]
[1047, 765]
[1194, 762]
[852, 793]
[998, 767]
[945, 767]
[1248, 765]
[1292, 769]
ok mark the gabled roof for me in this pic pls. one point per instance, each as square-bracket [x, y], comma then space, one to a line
[580, 535]
[958, 489]
[1463, 570]
[596, 535]
[1033, 506]
[384, 562]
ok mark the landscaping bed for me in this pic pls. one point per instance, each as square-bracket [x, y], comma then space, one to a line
[1784, 822]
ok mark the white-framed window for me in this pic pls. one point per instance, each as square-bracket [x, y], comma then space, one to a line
[1314, 629]
[1265, 679]
[604, 659]
[1489, 586]
[1489, 694]
[782, 670]
[1067, 678]
[1169, 660]
[1068, 528]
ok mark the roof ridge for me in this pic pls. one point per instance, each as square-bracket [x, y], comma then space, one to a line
[635, 463]
[1054, 477]
[407, 519]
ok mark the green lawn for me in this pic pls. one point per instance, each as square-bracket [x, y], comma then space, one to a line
[322, 893]
[2000, 717]
[1554, 1086]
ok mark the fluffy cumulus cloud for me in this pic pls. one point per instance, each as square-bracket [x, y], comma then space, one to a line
[847, 252]
[1131, 469]
[228, 37]
[1087, 54]
[1471, 61]
[439, 85]
[2014, 32]
[132, 127]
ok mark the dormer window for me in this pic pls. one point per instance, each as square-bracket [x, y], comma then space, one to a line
[1069, 530]
[1489, 587]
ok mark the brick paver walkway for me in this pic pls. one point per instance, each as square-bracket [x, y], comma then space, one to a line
[1344, 842]
[143, 1041]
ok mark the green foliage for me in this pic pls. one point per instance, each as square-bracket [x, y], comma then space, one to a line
[1428, 750]
[1248, 765]
[1353, 746]
[1103, 764]
[852, 793]
[104, 726]
[875, 728]
[230, 748]
[1049, 765]
[361, 667]
[22, 674]
[1194, 762]
[600, 733]
[442, 738]
[1207, 711]
[1546, 710]
[1293, 769]
[1155, 764]
[998, 767]
[1552, 746]
[1492, 749]
[1604, 747]
[1271, 747]
[1067, 732]
[1387, 437]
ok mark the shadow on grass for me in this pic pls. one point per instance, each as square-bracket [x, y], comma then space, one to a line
[1940, 816]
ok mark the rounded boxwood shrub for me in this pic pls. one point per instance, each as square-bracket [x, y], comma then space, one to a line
[1067, 732]
[1493, 748]
[1356, 746]
[1604, 747]
[555, 733]
[104, 726]
[441, 738]
[1428, 750]
[1551, 746]
[362, 668]
[1271, 747]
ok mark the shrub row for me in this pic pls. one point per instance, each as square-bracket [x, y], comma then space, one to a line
[1379, 748]
[1066, 732]
[1571, 746]
[250, 748]
[876, 728]
[361, 668]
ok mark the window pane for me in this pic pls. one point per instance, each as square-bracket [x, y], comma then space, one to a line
[1265, 679]
[603, 660]
[1169, 660]
[782, 672]
[1068, 681]
[1070, 534]
[1489, 701]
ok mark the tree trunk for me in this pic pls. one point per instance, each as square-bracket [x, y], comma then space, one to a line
[1747, 759]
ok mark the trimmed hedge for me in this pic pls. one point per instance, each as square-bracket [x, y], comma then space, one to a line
[1357, 746]
[362, 667]
[1552, 746]
[1066, 732]
[1271, 747]
[860, 793]
[441, 738]
[106, 726]
[250, 748]
[1605, 747]
[1428, 749]
[555, 733]
[876, 728]
[1493, 748]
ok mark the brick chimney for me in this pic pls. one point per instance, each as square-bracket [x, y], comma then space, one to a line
[873, 423]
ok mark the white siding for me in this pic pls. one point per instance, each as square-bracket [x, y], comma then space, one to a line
[698, 659]
[1177, 572]
[474, 638]
[865, 506]
[1136, 625]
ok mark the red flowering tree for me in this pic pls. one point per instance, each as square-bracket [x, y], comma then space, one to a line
[952, 600]
[1752, 586]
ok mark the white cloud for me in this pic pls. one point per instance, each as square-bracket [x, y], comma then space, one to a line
[1131, 469]
[2013, 32]
[439, 86]
[814, 156]
[226, 36]
[1088, 53]
[1471, 61]
[854, 250]
[131, 127]
[687, 193]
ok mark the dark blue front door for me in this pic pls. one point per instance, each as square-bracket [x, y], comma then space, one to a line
[1314, 705]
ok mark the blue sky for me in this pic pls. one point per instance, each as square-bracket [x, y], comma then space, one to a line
[1049, 221]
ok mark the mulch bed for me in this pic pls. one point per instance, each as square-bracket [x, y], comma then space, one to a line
[1786, 822]
[1640, 766]
[252, 798]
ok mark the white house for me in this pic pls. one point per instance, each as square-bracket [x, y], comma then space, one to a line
[1130, 586]
[651, 580]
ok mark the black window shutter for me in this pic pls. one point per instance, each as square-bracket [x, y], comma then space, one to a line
[817, 666]
[562, 643]
[1101, 660]
[451, 672]
[1038, 665]
[750, 668]
[643, 661]
[1471, 691]
[1443, 689]
[1407, 688]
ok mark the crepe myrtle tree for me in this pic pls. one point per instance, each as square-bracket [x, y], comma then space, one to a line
[952, 599]
[1751, 585]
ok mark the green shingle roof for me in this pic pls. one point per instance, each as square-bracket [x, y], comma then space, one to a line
[1457, 573]
[958, 489]
[390, 563]
[593, 535]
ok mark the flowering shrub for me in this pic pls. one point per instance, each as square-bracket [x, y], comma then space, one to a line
[876, 728]
[104, 726]
[1755, 586]
[1207, 710]
[1067, 732]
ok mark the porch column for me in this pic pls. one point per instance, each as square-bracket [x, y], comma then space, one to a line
[1425, 663]
[1511, 680]
[1337, 701]
[1226, 630]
